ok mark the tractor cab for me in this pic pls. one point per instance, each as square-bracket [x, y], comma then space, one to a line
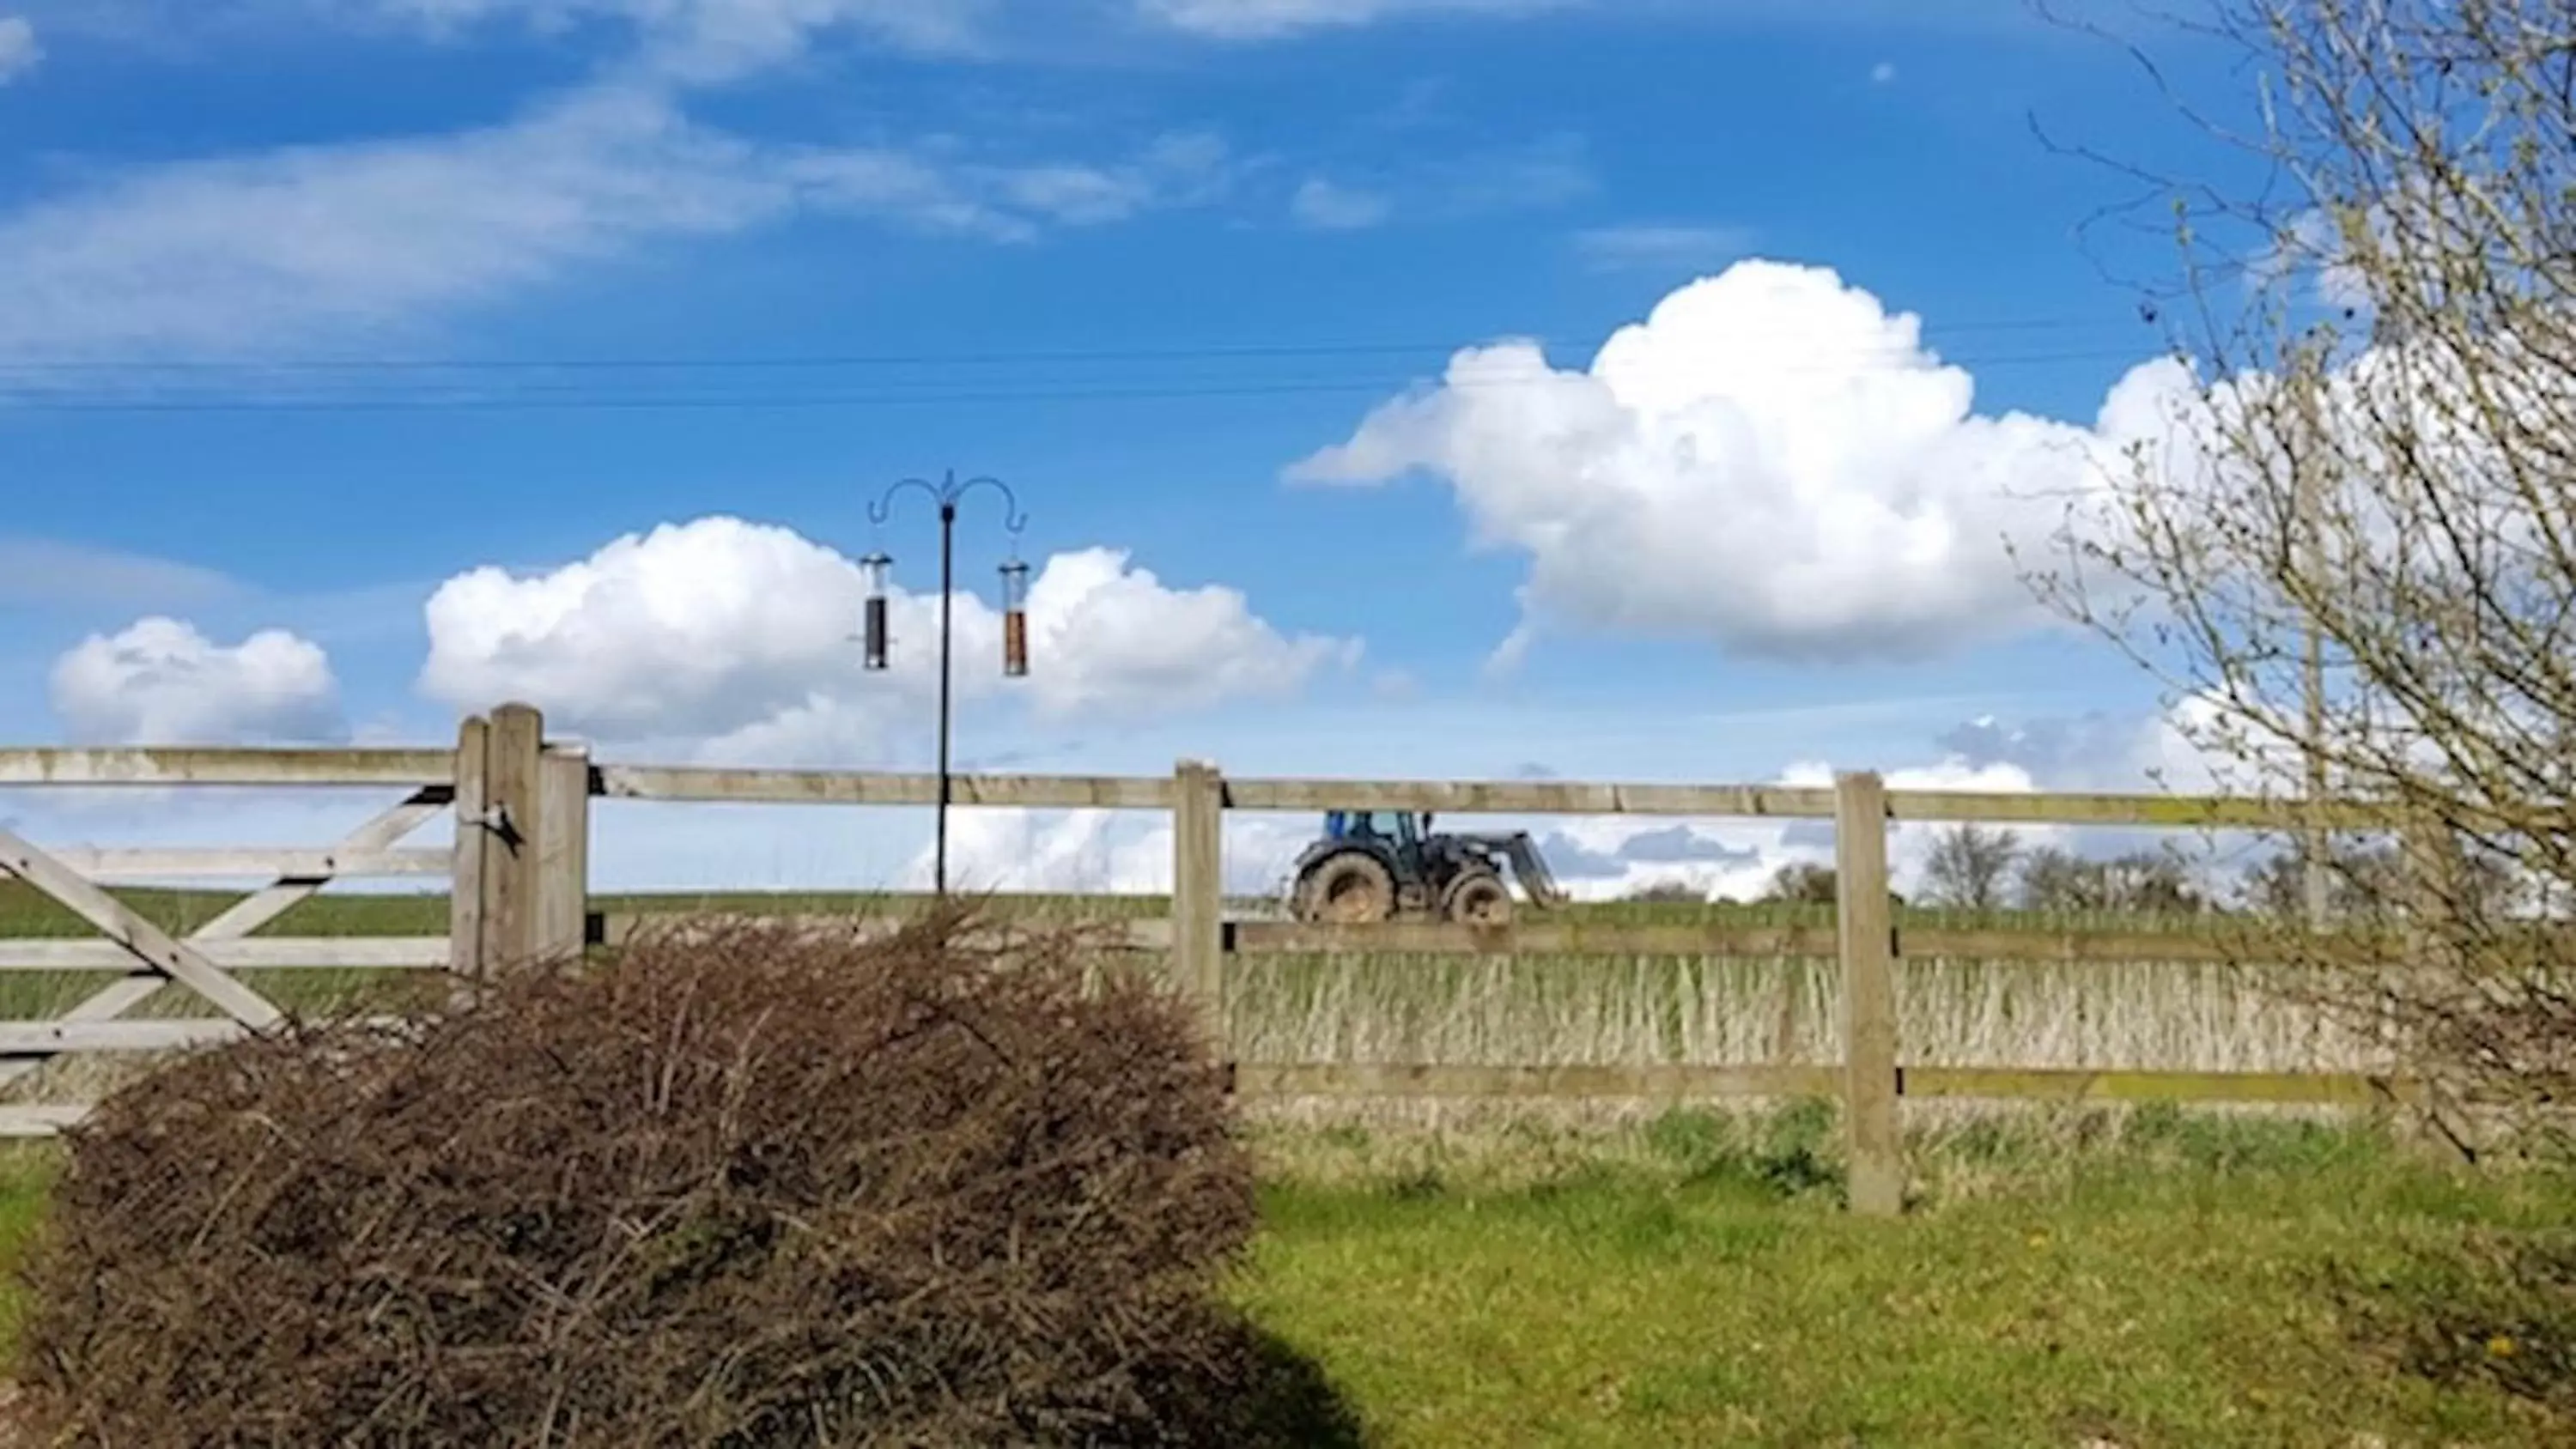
[1402, 829]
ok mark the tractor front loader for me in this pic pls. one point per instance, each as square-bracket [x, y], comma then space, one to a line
[1389, 865]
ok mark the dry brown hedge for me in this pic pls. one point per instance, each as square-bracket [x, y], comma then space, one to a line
[750, 1187]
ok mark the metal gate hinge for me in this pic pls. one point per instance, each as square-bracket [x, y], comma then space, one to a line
[497, 820]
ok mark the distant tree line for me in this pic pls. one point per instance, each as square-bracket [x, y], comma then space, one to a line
[1973, 867]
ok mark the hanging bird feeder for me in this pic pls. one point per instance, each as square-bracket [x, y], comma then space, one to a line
[1015, 619]
[875, 569]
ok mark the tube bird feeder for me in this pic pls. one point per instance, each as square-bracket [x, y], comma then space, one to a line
[875, 569]
[1015, 619]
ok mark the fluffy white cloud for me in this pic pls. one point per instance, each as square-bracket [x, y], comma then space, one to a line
[1772, 461]
[19, 52]
[1269, 19]
[739, 635]
[236, 254]
[162, 682]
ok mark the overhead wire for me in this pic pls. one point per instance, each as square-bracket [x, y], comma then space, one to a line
[422, 385]
[541, 402]
[1195, 353]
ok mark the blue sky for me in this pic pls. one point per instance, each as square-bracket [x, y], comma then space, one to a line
[310, 309]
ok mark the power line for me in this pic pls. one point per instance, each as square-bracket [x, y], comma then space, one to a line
[578, 401]
[1199, 353]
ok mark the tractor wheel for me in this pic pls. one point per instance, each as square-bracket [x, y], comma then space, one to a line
[1478, 898]
[1348, 889]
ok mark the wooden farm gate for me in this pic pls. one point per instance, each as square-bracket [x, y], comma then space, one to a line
[508, 850]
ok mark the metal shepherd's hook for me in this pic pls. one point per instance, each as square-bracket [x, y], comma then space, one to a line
[1015, 647]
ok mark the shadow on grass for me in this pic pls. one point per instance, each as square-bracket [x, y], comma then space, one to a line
[1274, 1397]
[1293, 1404]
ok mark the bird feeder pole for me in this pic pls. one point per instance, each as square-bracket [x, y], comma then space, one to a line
[875, 567]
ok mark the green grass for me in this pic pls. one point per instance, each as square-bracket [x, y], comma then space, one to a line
[2170, 1285]
[26, 1174]
[2158, 1279]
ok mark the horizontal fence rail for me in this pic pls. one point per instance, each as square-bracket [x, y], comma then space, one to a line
[1497, 797]
[801, 787]
[1695, 1083]
[265, 953]
[226, 862]
[708, 785]
[274, 769]
[517, 873]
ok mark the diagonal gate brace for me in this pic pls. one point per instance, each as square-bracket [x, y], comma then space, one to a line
[147, 942]
[251, 913]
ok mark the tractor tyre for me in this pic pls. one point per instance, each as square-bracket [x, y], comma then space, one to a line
[1350, 889]
[1478, 898]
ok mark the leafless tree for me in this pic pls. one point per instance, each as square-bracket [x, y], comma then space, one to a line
[2137, 883]
[1806, 883]
[2353, 545]
[1802, 883]
[2366, 881]
[1970, 867]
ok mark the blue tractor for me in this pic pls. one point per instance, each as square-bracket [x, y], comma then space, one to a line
[1381, 865]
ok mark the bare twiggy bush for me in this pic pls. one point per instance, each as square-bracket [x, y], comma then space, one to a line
[743, 1185]
[2353, 549]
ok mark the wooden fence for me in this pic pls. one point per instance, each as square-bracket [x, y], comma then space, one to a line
[519, 890]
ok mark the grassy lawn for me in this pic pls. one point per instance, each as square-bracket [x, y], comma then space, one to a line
[2170, 1281]
[2171, 1286]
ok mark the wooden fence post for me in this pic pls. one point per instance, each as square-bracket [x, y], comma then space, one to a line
[2436, 872]
[1198, 895]
[1867, 935]
[563, 853]
[465, 884]
[513, 828]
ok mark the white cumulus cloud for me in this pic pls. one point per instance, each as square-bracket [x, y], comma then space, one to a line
[738, 635]
[163, 682]
[1772, 461]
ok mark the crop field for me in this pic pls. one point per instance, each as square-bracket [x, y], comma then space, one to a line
[1525, 1009]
